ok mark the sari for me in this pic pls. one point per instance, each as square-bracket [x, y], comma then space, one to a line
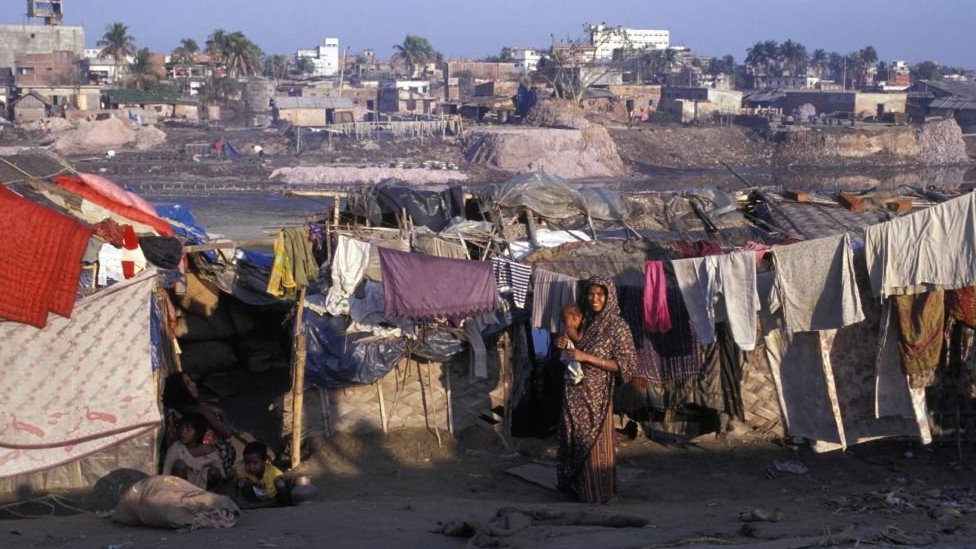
[587, 452]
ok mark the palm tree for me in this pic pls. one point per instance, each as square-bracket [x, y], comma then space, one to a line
[117, 44]
[819, 60]
[143, 69]
[761, 56]
[414, 52]
[304, 66]
[276, 66]
[242, 56]
[183, 56]
[794, 57]
[217, 45]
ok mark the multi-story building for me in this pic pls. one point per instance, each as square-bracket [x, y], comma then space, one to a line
[325, 58]
[526, 59]
[607, 39]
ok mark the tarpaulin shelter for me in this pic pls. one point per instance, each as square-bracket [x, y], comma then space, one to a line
[80, 359]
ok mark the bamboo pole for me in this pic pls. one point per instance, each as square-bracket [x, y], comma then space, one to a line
[447, 397]
[379, 396]
[298, 383]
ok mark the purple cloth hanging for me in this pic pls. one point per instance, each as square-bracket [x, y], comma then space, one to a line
[657, 320]
[426, 287]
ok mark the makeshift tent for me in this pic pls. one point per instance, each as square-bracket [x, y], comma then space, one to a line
[81, 396]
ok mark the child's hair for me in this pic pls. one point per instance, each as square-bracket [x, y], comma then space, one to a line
[199, 424]
[570, 308]
[256, 448]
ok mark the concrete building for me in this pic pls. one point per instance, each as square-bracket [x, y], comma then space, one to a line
[526, 59]
[691, 104]
[313, 112]
[27, 39]
[51, 68]
[325, 58]
[608, 39]
[405, 97]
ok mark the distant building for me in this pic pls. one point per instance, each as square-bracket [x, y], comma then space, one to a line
[405, 97]
[526, 60]
[690, 104]
[59, 67]
[325, 58]
[313, 112]
[26, 39]
[608, 39]
[952, 99]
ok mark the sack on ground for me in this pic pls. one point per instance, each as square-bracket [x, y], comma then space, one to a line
[170, 502]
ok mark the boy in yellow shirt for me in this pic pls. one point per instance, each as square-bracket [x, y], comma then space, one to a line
[260, 483]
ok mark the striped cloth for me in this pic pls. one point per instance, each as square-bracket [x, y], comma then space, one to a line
[512, 278]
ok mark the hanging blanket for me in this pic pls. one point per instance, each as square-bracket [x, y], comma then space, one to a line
[42, 251]
[424, 287]
[79, 385]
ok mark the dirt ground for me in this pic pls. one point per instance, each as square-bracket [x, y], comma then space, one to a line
[402, 490]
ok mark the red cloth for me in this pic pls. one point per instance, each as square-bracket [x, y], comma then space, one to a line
[42, 251]
[657, 318]
[77, 186]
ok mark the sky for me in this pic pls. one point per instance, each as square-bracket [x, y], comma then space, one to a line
[910, 30]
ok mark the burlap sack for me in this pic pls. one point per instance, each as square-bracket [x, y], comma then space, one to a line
[169, 502]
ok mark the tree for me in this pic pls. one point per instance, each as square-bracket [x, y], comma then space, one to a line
[793, 57]
[276, 66]
[217, 45]
[926, 70]
[117, 44]
[183, 56]
[819, 60]
[505, 56]
[762, 56]
[414, 52]
[304, 66]
[143, 69]
[241, 56]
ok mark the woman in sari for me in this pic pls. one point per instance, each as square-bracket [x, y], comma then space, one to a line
[587, 449]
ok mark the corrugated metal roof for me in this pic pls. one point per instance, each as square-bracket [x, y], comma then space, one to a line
[313, 102]
[967, 88]
[955, 103]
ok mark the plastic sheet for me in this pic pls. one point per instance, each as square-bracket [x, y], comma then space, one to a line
[337, 359]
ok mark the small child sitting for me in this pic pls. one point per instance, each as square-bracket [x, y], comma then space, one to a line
[189, 458]
[572, 317]
[259, 483]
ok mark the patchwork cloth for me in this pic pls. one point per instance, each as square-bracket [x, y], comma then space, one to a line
[81, 384]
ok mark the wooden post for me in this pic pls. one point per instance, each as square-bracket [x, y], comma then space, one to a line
[447, 397]
[298, 383]
[379, 396]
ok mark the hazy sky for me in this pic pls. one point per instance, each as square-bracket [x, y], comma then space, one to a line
[913, 30]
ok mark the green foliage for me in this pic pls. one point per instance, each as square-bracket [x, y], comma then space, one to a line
[117, 44]
[413, 53]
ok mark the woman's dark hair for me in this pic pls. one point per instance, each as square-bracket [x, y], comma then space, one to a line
[256, 448]
[175, 393]
[199, 424]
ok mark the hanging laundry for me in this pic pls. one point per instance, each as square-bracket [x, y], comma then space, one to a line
[550, 291]
[920, 321]
[294, 262]
[512, 278]
[348, 265]
[425, 287]
[930, 249]
[816, 285]
[656, 316]
[720, 288]
[42, 260]
[961, 305]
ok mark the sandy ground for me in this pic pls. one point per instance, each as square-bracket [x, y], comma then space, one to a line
[403, 491]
